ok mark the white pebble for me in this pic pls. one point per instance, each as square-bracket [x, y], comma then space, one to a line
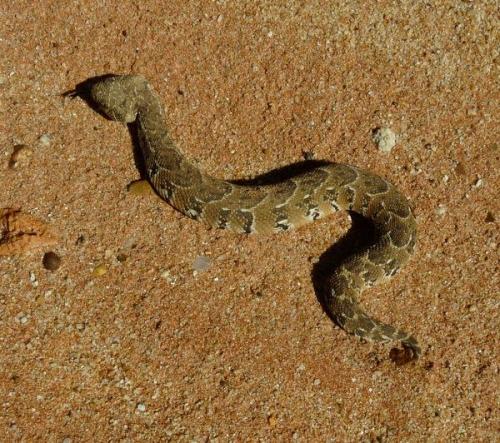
[141, 407]
[441, 210]
[22, 318]
[478, 183]
[167, 275]
[384, 138]
[33, 279]
[45, 140]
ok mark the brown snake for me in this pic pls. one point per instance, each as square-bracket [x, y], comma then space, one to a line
[279, 206]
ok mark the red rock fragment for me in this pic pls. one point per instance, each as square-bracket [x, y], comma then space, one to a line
[21, 232]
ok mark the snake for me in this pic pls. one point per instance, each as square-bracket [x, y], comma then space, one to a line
[280, 205]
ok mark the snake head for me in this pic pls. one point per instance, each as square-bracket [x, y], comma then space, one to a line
[117, 97]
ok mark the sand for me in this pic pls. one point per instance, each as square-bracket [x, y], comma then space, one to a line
[153, 327]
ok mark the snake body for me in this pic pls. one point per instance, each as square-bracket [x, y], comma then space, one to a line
[275, 207]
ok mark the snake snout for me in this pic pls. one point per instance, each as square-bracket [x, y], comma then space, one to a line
[118, 96]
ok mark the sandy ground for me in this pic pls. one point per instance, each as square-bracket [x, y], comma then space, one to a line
[154, 327]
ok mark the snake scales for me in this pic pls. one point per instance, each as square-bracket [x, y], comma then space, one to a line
[275, 207]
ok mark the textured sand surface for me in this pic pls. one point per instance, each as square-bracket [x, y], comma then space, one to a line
[154, 327]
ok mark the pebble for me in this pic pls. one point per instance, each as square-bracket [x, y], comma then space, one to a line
[121, 257]
[441, 210]
[478, 183]
[384, 138]
[272, 420]
[22, 318]
[51, 261]
[33, 279]
[201, 263]
[100, 270]
[167, 275]
[140, 187]
[45, 140]
[141, 407]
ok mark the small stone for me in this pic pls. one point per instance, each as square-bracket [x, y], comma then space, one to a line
[100, 270]
[140, 187]
[167, 275]
[459, 169]
[45, 140]
[80, 327]
[272, 420]
[201, 263]
[441, 210]
[141, 407]
[33, 279]
[22, 232]
[22, 318]
[308, 155]
[490, 218]
[20, 156]
[121, 257]
[51, 261]
[478, 183]
[401, 356]
[384, 138]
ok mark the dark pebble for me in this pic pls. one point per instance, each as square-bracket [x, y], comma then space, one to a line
[51, 261]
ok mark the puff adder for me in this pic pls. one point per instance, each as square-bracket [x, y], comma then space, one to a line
[276, 207]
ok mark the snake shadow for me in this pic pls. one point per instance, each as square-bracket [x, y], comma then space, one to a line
[360, 236]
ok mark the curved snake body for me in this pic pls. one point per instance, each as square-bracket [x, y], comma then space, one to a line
[276, 207]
